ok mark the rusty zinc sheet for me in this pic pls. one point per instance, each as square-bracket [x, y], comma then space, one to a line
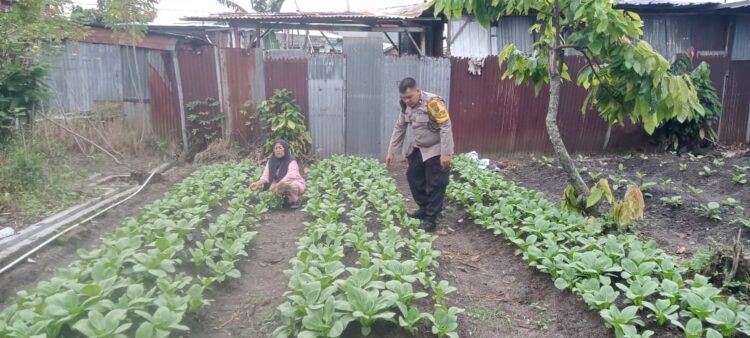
[706, 33]
[326, 75]
[198, 72]
[735, 122]
[289, 73]
[165, 112]
[238, 76]
[494, 115]
[582, 132]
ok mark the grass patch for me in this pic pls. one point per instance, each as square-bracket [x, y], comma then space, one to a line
[543, 322]
[36, 182]
[495, 317]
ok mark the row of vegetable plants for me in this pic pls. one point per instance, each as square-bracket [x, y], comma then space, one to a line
[139, 282]
[624, 278]
[357, 215]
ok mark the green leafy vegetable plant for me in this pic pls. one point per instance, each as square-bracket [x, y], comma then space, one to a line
[706, 172]
[740, 179]
[695, 190]
[672, 201]
[711, 210]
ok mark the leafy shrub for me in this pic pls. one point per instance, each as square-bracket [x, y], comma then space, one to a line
[675, 133]
[204, 124]
[700, 260]
[23, 170]
[21, 88]
[624, 212]
[282, 119]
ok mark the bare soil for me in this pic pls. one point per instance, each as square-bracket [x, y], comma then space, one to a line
[62, 252]
[680, 231]
[502, 295]
[246, 307]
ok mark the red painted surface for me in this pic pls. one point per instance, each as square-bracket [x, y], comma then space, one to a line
[734, 118]
[238, 70]
[709, 33]
[199, 83]
[198, 73]
[165, 117]
[494, 115]
[289, 73]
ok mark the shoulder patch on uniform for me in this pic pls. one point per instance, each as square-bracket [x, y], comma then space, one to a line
[437, 109]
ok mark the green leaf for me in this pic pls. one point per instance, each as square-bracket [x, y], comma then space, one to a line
[594, 197]
[145, 330]
[91, 290]
[649, 123]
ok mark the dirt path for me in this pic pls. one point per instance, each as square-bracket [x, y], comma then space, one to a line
[62, 252]
[246, 307]
[502, 295]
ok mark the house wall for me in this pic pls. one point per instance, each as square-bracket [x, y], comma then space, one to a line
[87, 76]
[721, 40]
[350, 100]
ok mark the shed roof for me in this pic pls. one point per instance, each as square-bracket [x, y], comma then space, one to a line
[152, 40]
[390, 13]
[681, 6]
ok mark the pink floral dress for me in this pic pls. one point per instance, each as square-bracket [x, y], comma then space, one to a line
[292, 178]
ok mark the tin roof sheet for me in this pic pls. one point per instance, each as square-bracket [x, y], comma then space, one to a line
[390, 13]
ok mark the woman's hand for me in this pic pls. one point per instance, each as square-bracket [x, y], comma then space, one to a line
[256, 185]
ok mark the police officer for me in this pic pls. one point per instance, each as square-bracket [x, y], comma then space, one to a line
[429, 154]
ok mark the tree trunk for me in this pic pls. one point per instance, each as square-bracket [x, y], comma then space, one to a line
[574, 178]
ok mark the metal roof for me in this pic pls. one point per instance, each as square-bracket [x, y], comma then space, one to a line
[679, 6]
[391, 13]
[152, 40]
[667, 3]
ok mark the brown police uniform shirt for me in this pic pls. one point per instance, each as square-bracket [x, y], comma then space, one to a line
[432, 138]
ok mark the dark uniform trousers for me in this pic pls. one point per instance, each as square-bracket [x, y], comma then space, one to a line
[427, 181]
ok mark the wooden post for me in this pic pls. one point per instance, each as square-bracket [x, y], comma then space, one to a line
[423, 43]
[180, 100]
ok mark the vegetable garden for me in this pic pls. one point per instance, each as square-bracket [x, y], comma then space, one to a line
[624, 278]
[153, 270]
[361, 267]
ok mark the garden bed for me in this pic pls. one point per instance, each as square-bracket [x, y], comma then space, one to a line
[502, 293]
[679, 230]
[63, 251]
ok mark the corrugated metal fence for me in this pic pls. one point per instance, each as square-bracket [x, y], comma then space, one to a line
[432, 75]
[142, 81]
[351, 100]
[241, 85]
[364, 95]
[326, 76]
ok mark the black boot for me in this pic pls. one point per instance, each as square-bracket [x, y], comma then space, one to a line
[418, 214]
[428, 225]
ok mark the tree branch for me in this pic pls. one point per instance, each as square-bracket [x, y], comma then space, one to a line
[85, 139]
[593, 69]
